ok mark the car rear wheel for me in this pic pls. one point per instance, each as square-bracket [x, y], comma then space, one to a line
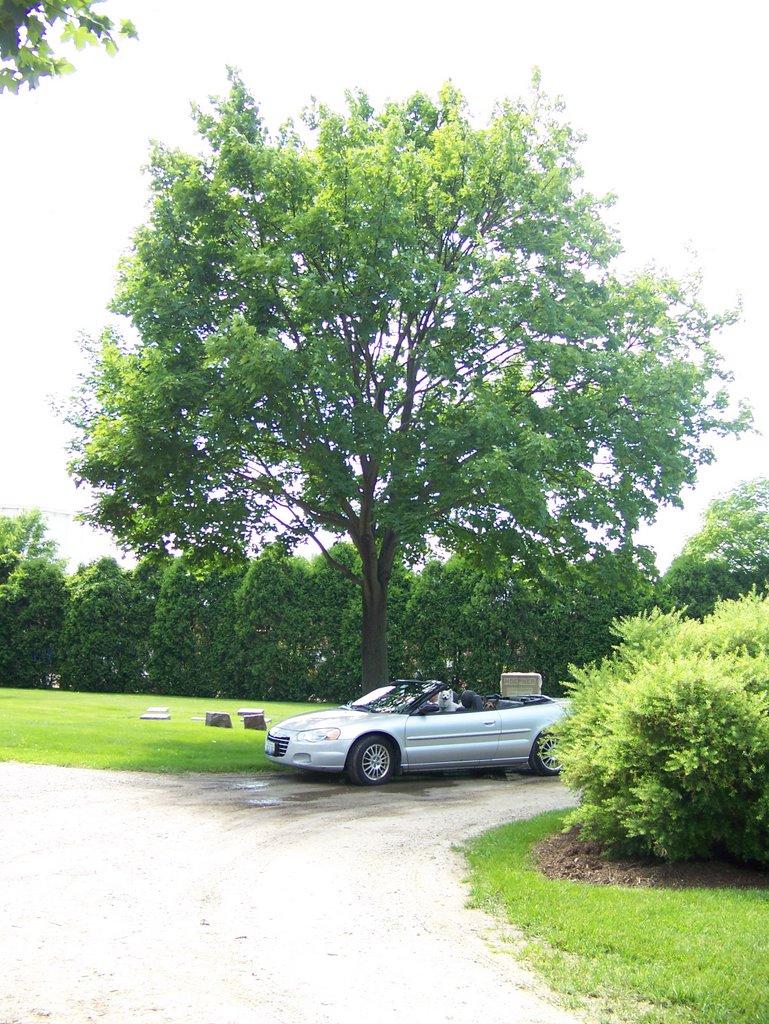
[371, 761]
[543, 759]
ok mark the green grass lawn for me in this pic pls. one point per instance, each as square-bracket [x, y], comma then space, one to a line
[657, 956]
[100, 730]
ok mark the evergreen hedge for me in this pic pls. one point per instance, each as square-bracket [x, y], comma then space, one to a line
[286, 628]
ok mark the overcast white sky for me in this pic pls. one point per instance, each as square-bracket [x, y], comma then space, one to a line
[673, 97]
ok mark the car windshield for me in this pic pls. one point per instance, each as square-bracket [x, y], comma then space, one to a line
[397, 698]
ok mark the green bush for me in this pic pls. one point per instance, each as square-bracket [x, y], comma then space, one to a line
[668, 742]
[738, 629]
[33, 606]
[100, 639]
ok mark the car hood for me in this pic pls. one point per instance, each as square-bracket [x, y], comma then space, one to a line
[316, 719]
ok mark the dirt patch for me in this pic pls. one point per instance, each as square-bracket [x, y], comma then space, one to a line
[567, 855]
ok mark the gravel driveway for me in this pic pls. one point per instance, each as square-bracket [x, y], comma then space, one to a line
[275, 899]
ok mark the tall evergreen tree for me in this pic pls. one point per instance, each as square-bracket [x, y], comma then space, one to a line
[33, 605]
[102, 631]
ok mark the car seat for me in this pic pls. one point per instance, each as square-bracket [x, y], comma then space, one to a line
[471, 701]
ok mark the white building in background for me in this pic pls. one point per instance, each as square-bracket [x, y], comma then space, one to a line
[78, 542]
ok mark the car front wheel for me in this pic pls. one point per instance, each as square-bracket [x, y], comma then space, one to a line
[371, 761]
[543, 759]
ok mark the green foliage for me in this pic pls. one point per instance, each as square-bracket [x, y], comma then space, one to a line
[274, 622]
[576, 605]
[738, 629]
[696, 585]
[668, 742]
[24, 536]
[736, 531]
[145, 583]
[647, 956]
[641, 637]
[283, 627]
[437, 621]
[33, 599]
[299, 626]
[26, 53]
[101, 636]
[33, 604]
[727, 557]
[335, 627]
[466, 625]
[194, 640]
[409, 329]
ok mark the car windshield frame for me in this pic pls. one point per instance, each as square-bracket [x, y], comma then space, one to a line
[400, 697]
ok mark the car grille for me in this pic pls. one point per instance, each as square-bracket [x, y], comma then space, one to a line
[281, 744]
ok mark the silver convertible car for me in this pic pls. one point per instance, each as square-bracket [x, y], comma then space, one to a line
[420, 726]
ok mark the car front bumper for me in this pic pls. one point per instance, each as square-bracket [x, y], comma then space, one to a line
[283, 749]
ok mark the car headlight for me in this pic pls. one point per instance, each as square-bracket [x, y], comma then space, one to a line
[318, 735]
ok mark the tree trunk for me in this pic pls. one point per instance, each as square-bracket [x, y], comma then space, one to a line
[374, 667]
[377, 570]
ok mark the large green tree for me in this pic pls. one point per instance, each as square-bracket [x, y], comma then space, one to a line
[394, 325]
[26, 52]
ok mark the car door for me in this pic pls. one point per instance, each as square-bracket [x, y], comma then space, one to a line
[454, 739]
[519, 727]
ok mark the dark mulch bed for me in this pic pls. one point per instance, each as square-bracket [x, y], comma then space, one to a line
[566, 855]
